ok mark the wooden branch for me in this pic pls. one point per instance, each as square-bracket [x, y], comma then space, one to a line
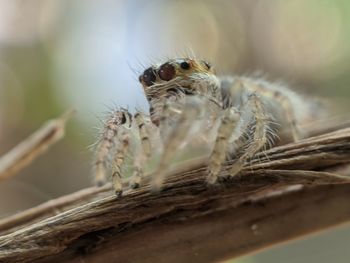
[204, 236]
[49, 208]
[189, 222]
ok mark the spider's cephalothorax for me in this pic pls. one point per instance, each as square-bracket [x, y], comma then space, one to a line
[236, 116]
[175, 79]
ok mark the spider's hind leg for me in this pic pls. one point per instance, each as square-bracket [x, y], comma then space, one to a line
[259, 137]
[284, 101]
[290, 115]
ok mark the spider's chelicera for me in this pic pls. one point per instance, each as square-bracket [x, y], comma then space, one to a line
[235, 117]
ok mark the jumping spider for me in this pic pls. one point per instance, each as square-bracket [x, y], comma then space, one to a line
[236, 116]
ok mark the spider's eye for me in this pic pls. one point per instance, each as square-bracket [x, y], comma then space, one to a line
[122, 118]
[185, 65]
[166, 72]
[148, 77]
[207, 64]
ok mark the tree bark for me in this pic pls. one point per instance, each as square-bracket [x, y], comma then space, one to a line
[285, 193]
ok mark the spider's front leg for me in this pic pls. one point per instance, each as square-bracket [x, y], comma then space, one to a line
[218, 155]
[252, 114]
[112, 147]
[143, 153]
[192, 109]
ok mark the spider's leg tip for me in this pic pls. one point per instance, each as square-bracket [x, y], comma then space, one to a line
[214, 186]
[135, 181]
[155, 189]
[100, 183]
[118, 193]
[134, 185]
[211, 179]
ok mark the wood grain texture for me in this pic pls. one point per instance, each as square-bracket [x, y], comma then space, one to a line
[248, 227]
[283, 194]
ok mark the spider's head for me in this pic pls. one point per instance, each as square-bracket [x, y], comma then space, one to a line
[175, 79]
[182, 76]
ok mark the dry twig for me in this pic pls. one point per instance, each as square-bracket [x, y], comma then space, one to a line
[283, 194]
[36, 144]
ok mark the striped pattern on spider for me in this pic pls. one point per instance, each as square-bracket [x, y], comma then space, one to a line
[236, 117]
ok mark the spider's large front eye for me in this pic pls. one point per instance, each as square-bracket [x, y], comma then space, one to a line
[166, 72]
[148, 77]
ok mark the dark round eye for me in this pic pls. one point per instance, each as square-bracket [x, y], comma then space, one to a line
[207, 64]
[123, 118]
[185, 65]
[148, 77]
[166, 71]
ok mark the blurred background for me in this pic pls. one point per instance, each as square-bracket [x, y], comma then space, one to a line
[59, 54]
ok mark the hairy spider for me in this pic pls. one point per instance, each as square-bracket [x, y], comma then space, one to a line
[236, 116]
